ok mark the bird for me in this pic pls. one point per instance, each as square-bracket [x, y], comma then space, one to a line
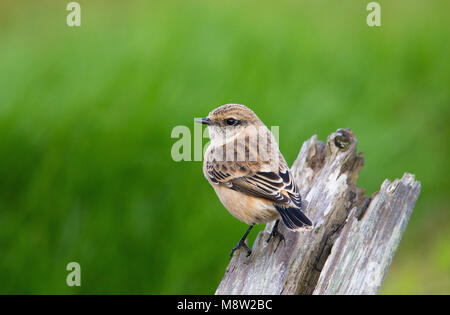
[249, 174]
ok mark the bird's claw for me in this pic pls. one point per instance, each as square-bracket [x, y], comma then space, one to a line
[239, 245]
[276, 233]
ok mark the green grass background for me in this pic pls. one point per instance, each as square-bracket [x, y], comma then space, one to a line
[86, 116]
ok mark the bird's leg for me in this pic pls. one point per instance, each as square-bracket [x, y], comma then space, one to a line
[242, 243]
[275, 232]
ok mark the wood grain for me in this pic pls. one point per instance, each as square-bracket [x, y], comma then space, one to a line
[354, 237]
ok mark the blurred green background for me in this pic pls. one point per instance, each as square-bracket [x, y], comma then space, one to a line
[86, 116]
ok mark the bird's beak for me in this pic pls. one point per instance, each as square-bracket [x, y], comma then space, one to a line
[204, 121]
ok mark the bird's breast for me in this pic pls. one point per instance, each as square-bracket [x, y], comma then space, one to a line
[246, 208]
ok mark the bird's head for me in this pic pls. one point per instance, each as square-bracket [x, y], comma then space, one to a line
[229, 120]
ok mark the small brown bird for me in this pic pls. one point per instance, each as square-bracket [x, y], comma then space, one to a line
[248, 173]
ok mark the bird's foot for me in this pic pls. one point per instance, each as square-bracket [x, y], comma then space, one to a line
[239, 245]
[276, 233]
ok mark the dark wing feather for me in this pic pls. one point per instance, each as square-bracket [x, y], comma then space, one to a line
[277, 186]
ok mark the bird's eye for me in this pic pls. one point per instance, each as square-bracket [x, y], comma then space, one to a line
[231, 121]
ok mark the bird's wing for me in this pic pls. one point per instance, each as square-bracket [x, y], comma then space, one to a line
[277, 185]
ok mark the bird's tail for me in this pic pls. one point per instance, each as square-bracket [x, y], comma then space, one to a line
[293, 217]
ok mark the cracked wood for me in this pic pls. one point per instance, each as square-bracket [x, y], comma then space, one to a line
[354, 237]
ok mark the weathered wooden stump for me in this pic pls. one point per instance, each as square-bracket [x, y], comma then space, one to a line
[354, 238]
